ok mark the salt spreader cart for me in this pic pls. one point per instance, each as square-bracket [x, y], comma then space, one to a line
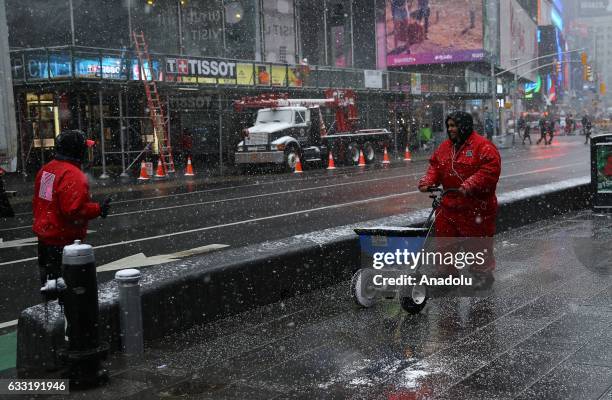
[388, 239]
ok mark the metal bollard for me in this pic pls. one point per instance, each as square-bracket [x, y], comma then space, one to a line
[130, 311]
[84, 352]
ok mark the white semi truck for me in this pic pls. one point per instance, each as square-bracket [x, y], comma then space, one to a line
[286, 129]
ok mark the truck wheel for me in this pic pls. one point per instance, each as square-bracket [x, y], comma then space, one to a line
[291, 157]
[352, 153]
[369, 153]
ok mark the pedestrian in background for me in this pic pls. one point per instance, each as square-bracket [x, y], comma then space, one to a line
[586, 128]
[62, 205]
[542, 125]
[527, 133]
[550, 129]
[489, 128]
[6, 211]
[520, 125]
[569, 124]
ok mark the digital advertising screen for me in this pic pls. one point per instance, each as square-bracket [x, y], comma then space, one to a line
[433, 31]
[604, 168]
[112, 67]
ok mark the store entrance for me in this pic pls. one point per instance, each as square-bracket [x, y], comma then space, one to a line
[41, 125]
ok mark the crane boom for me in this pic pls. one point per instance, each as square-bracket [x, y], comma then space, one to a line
[342, 100]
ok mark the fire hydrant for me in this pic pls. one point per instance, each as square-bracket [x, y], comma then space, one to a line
[83, 352]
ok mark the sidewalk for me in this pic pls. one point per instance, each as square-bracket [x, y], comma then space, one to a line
[545, 332]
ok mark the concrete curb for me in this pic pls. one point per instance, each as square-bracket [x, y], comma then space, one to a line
[178, 295]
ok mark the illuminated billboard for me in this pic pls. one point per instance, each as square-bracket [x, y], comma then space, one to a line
[433, 31]
[518, 36]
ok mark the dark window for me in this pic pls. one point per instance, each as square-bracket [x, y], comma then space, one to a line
[101, 23]
[38, 23]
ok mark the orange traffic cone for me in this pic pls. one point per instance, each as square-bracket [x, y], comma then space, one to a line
[189, 168]
[407, 156]
[386, 157]
[298, 166]
[330, 162]
[159, 173]
[144, 175]
[361, 159]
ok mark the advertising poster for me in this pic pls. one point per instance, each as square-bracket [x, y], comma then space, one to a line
[433, 31]
[112, 68]
[159, 76]
[518, 35]
[244, 74]
[296, 76]
[58, 66]
[604, 168]
[262, 74]
[279, 75]
[373, 79]
[594, 8]
[202, 26]
[279, 31]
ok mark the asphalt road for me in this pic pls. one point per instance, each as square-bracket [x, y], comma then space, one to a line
[159, 219]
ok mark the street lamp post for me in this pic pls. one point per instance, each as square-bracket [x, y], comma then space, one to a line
[514, 61]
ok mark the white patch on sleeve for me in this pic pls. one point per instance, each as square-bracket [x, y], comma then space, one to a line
[46, 186]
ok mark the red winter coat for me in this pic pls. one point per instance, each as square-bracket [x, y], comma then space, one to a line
[62, 206]
[476, 167]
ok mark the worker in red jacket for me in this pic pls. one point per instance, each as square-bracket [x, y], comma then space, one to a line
[470, 163]
[62, 205]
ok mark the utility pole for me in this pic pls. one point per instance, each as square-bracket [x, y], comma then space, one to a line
[515, 61]
[493, 94]
[492, 16]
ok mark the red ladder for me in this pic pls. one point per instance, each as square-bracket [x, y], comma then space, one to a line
[156, 111]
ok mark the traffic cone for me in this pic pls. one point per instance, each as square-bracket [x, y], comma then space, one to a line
[330, 162]
[361, 159]
[189, 168]
[386, 157]
[144, 176]
[407, 156]
[298, 166]
[159, 173]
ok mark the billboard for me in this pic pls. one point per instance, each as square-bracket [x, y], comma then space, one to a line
[604, 168]
[544, 13]
[594, 8]
[518, 35]
[279, 31]
[433, 31]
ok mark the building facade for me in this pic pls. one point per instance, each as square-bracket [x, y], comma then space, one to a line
[78, 69]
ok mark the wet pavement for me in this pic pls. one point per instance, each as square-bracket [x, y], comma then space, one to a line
[545, 332]
[159, 219]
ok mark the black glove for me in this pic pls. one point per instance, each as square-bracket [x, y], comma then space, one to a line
[105, 207]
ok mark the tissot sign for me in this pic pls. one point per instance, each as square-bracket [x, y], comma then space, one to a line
[211, 68]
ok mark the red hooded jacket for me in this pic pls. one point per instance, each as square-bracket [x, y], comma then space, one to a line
[62, 206]
[476, 167]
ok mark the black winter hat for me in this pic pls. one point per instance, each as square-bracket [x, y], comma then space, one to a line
[72, 145]
[464, 122]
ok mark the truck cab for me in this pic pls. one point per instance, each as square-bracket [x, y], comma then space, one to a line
[279, 136]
